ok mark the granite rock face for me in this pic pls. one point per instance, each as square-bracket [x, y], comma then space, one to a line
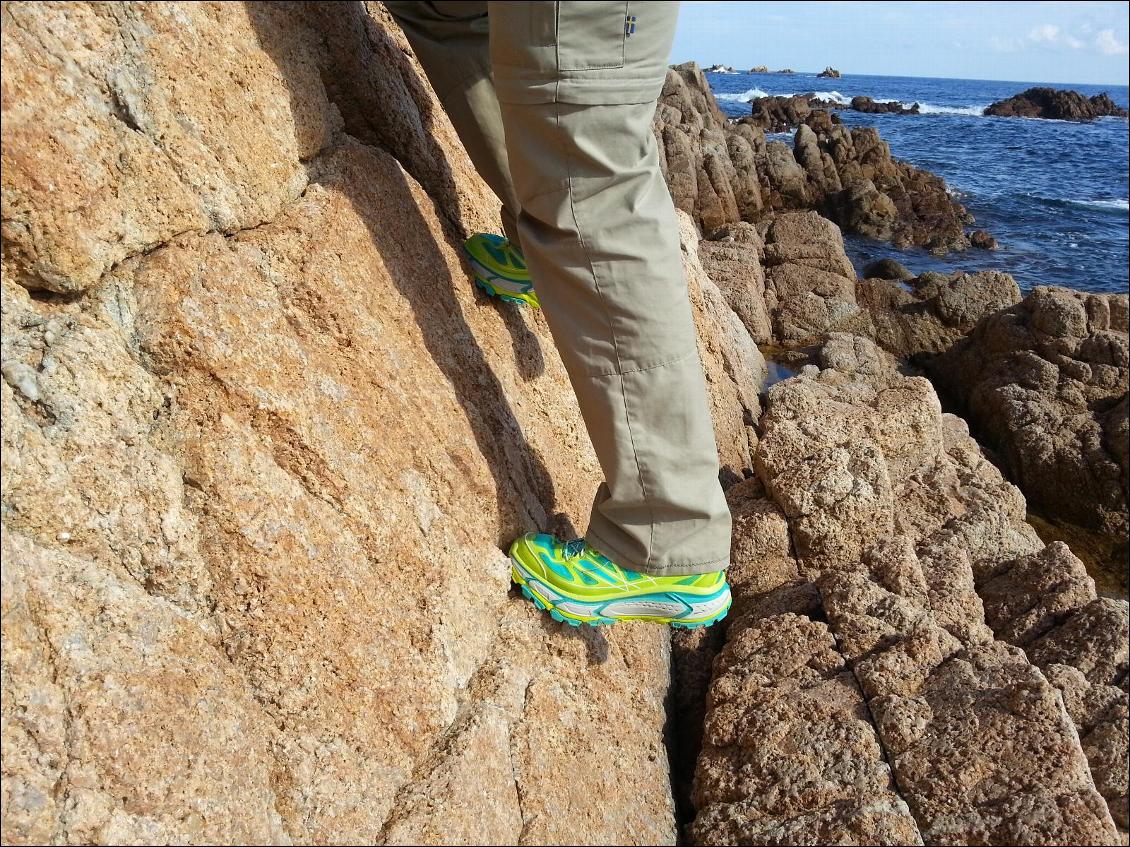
[1046, 383]
[711, 166]
[262, 443]
[259, 458]
[897, 528]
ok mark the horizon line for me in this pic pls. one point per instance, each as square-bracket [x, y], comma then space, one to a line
[844, 74]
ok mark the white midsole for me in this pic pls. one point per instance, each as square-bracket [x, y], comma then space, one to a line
[646, 606]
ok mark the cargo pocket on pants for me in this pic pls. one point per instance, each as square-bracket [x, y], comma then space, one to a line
[590, 35]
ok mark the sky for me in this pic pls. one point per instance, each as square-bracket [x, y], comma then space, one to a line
[1066, 42]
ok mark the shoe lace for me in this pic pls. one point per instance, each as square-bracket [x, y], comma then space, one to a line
[574, 549]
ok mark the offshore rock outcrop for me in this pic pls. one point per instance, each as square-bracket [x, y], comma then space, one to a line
[722, 172]
[1057, 104]
[780, 113]
[855, 181]
[867, 649]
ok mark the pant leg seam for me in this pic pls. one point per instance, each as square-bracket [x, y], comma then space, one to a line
[615, 343]
[646, 368]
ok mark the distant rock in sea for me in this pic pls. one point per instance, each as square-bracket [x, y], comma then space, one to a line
[829, 73]
[759, 69]
[720, 69]
[786, 71]
[982, 240]
[873, 107]
[779, 113]
[1056, 104]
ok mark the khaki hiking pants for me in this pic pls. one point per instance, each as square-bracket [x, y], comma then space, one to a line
[554, 103]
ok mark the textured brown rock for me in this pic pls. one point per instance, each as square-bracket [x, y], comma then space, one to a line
[1046, 604]
[809, 281]
[933, 312]
[734, 366]
[256, 476]
[780, 687]
[1045, 382]
[135, 123]
[979, 742]
[732, 258]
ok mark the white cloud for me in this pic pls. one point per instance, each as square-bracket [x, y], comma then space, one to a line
[1053, 37]
[1108, 43]
[1044, 34]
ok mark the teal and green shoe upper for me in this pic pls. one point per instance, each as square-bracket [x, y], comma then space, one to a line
[578, 584]
[500, 268]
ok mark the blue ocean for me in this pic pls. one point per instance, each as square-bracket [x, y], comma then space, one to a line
[1053, 193]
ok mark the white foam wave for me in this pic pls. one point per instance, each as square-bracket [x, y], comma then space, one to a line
[758, 93]
[843, 100]
[742, 96]
[931, 109]
[834, 96]
[1103, 204]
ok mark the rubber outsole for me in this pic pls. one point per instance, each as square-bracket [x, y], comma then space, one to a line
[530, 300]
[546, 606]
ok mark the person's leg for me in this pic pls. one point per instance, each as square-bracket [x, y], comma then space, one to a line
[452, 42]
[577, 83]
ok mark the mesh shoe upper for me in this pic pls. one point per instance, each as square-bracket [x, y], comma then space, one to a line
[574, 569]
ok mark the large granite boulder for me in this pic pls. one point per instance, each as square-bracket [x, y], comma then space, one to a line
[1045, 382]
[809, 281]
[930, 313]
[262, 443]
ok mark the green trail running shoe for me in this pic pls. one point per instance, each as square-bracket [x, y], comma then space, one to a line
[500, 269]
[576, 584]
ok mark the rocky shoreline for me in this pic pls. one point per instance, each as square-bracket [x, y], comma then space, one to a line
[242, 392]
[722, 172]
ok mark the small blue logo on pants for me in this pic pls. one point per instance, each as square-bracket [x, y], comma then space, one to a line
[629, 25]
